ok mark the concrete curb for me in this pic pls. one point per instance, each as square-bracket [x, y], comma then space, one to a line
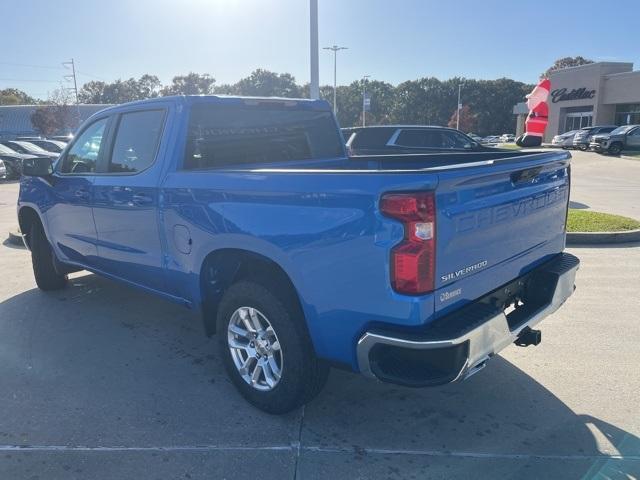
[596, 238]
[15, 238]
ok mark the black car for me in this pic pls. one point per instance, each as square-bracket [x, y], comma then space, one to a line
[12, 161]
[394, 139]
[27, 148]
[583, 138]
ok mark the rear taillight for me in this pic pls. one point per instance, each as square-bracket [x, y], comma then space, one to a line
[413, 260]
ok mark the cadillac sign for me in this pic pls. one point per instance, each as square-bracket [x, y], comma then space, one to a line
[563, 94]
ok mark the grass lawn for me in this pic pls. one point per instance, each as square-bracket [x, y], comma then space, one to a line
[588, 221]
[509, 146]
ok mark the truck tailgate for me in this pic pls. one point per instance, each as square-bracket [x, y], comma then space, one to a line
[497, 221]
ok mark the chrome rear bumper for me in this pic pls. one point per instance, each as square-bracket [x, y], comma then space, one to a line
[459, 344]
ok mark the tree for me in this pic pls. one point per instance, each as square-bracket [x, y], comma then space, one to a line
[57, 116]
[566, 62]
[263, 83]
[467, 120]
[190, 84]
[120, 91]
[13, 96]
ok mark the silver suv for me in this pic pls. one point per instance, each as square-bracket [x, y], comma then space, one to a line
[584, 135]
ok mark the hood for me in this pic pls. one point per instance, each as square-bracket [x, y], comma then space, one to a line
[601, 136]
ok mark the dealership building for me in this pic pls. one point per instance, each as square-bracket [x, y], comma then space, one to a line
[602, 93]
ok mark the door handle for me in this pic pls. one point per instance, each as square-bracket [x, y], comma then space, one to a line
[82, 193]
[141, 199]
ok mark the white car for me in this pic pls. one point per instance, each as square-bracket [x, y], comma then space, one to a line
[508, 138]
[3, 170]
[564, 140]
[491, 139]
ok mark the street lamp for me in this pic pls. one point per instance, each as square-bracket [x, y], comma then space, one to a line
[459, 106]
[364, 100]
[334, 49]
[314, 84]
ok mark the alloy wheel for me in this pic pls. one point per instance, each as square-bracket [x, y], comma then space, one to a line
[255, 348]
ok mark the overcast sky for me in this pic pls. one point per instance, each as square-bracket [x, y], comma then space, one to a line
[389, 40]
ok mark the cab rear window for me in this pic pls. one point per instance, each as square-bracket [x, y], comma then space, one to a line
[228, 135]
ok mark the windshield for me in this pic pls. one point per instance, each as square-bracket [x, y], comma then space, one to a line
[6, 150]
[623, 129]
[31, 147]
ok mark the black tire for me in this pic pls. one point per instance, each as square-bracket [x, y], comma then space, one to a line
[614, 149]
[583, 147]
[42, 258]
[303, 375]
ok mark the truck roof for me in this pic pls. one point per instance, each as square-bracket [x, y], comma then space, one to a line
[301, 103]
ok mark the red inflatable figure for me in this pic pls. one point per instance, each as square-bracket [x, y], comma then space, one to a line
[538, 117]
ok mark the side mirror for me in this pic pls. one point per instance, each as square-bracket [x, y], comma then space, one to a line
[37, 167]
[470, 146]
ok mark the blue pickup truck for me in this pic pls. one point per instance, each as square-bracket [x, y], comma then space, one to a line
[412, 269]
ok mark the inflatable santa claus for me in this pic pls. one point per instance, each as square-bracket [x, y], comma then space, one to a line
[538, 117]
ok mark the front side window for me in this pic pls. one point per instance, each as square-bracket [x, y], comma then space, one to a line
[454, 140]
[83, 155]
[136, 142]
[228, 135]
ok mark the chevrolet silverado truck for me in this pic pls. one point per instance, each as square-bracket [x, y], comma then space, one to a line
[412, 269]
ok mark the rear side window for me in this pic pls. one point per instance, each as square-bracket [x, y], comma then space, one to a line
[228, 135]
[372, 137]
[136, 142]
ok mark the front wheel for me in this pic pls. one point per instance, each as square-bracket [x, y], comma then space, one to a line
[42, 258]
[583, 147]
[266, 350]
[615, 149]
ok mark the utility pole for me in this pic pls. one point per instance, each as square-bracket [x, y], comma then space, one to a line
[335, 49]
[314, 85]
[364, 100]
[75, 85]
[458, 115]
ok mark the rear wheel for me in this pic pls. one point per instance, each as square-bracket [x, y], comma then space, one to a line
[42, 258]
[615, 148]
[266, 350]
[583, 147]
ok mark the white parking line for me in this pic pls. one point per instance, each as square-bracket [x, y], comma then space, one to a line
[310, 448]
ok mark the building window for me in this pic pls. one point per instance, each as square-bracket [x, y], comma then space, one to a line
[628, 114]
[577, 120]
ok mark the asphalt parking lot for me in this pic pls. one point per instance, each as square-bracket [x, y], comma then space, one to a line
[100, 381]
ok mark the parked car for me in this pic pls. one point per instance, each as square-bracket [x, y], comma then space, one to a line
[27, 148]
[398, 139]
[622, 138]
[583, 137]
[3, 171]
[507, 138]
[475, 138]
[564, 140]
[401, 267]
[53, 146]
[13, 161]
[62, 138]
[491, 139]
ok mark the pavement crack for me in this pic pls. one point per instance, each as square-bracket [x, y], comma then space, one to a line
[298, 445]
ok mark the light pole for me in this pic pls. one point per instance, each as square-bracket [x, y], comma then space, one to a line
[314, 84]
[458, 115]
[364, 100]
[334, 49]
